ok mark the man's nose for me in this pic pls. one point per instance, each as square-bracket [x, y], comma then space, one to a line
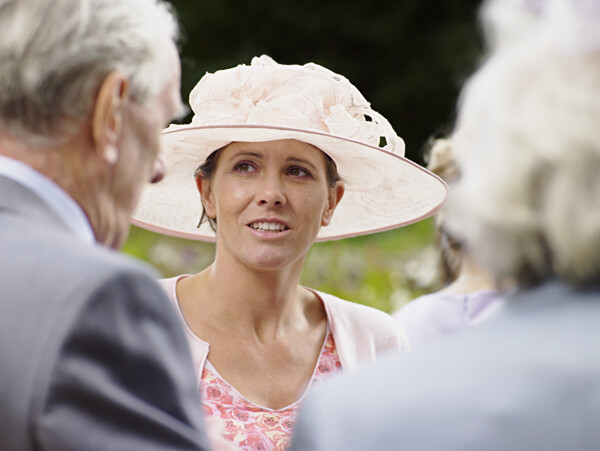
[159, 170]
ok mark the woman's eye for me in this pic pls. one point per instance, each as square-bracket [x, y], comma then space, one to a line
[244, 167]
[298, 172]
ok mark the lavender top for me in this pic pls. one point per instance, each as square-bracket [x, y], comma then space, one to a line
[440, 314]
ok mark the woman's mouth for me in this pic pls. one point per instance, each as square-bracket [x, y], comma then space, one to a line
[264, 226]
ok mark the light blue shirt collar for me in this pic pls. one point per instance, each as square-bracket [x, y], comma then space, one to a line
[66, 208]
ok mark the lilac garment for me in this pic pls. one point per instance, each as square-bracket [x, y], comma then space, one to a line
[439, 314]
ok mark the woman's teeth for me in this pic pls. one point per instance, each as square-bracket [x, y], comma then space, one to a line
[268, 226]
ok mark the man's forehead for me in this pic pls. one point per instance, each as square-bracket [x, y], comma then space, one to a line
[180, 110]
[175, 105]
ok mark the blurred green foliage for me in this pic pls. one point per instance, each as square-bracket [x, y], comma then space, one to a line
[409, 58]
[384, 270]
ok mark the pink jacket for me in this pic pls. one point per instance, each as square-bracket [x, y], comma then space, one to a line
[360, 333]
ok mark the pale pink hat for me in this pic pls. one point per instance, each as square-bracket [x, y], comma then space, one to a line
[267, 101]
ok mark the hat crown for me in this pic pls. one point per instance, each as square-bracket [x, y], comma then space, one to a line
[308, 97]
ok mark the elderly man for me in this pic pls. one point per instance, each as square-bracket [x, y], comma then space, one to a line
[528, 205]
[92, 352]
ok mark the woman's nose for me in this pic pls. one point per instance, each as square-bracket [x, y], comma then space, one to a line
[270, 192]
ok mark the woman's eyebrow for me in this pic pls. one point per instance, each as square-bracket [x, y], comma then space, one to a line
[300, 160]
[246, 153]
[249, 154]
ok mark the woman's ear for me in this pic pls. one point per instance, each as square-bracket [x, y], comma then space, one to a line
[335, 195]
[107, 116]
[206, 196]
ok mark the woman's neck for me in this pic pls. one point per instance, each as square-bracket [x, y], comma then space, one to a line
[245, 300]
[471, 278]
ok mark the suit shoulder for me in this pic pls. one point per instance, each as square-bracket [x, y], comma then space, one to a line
[95, 262]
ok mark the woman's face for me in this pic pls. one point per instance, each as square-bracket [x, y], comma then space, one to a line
[270, 200]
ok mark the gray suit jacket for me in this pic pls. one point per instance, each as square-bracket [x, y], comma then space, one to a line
[92, 354]
[528, 380]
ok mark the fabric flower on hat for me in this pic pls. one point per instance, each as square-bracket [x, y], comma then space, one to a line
[302, 97]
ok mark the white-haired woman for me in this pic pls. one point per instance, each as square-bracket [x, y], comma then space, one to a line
[528, 150]
[280, 156]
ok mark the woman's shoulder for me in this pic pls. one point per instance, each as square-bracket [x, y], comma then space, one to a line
[360, 319]
[361, 330]
[338, 305]
[169, 284]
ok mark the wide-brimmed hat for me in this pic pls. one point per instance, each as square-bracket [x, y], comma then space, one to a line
[266, 101]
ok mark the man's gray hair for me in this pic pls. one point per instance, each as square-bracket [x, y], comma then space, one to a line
[54, 55]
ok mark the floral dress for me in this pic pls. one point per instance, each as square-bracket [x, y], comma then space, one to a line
[252, 427]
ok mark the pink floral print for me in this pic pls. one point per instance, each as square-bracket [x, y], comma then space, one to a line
[252, 427]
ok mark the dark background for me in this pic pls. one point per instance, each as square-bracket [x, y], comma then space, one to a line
[409, 58]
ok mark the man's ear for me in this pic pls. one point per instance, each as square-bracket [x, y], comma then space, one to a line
[335, 196]
[206, 196]
[107, 116]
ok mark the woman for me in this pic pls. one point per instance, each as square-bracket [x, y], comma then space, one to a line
[469, 296]
[273, 151]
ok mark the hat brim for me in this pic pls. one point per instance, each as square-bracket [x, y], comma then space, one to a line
[382, 190]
